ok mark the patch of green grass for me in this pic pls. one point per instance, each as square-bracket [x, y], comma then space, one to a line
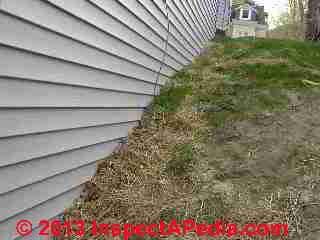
[170, 98]
[302, 53]
[274, 76]
[305, 54]
[173, 93]
[239, 99]
[252, 88]
[181, 161]
[240, 53]
[168, 214]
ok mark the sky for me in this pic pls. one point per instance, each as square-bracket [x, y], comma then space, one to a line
[274, 8]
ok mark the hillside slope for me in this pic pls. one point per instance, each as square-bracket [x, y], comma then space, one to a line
[235, 136]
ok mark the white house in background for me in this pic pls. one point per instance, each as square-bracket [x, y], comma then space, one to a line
[248, 20]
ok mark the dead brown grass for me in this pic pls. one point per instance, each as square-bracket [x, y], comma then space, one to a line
[131, 185]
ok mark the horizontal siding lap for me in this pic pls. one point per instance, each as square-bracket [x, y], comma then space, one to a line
[198, 5]
[23, 198]
[44, 144]
[35, 233]
[176, 38]
[194, 5]
[198, 18]
[111, 26]
[65, 24]
[15, 122]
[22, 174]
[180, 33]
[46, 210]
[136, 20]
[153, 8]
[207, 10]
[192, 37]
[23, 93]
[161, 25]
[213, 14]
[26, 65]
[191, 20]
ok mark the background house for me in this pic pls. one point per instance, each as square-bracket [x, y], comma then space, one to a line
[248, 20]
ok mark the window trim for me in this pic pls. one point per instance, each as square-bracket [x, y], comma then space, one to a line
[249, 14]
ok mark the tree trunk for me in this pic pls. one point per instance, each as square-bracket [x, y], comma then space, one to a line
[297, 18]
[302, 23]
[313, 29]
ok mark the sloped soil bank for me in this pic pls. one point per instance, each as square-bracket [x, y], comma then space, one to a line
[235, 136]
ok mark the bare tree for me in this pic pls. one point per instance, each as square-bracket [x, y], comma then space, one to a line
[297, 13]
[313, 20]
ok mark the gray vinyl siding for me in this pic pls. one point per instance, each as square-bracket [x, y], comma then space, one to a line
[224, 15]
[75, 77]
[46, 210]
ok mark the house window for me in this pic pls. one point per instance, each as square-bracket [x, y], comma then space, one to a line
[245, 14]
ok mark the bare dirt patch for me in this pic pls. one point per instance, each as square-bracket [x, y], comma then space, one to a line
[273, 162]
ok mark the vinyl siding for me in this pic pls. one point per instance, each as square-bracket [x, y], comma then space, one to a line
[75, 77]
[224, 15]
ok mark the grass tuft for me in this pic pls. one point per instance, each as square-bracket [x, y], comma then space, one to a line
[182, 159]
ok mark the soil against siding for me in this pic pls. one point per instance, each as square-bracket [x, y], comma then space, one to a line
[235, 136]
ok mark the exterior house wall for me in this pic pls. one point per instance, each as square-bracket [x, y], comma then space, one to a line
[224, 15]
[75, 76]
[261, 33]
[243, 31]
[241, 28]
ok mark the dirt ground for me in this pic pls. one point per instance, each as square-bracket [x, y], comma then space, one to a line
[272, 162]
